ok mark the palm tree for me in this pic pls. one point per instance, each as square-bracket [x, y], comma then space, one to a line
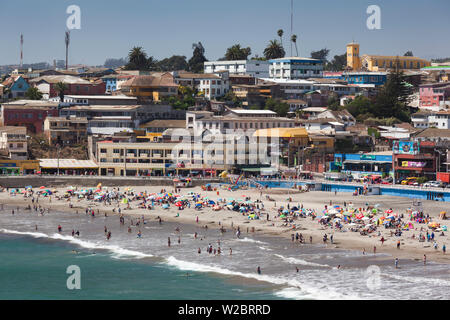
[237, 53]
[294, 40]
[137, 59]
[61, 87]
[33, 94]
[274, 50]
[280, 33]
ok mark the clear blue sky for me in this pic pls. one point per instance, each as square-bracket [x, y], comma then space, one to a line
[166, 27]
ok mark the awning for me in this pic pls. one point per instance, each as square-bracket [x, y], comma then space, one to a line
[366, 161]
[67, 164]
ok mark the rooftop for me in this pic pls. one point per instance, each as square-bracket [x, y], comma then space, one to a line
[61, 78]
[164, 124]
[30, 103]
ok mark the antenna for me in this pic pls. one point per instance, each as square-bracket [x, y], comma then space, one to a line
[21, 51]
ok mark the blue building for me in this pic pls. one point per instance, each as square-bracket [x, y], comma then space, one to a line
[359, 165]
[111, 82]
[17, 86]
[375, 78]
[294, 68]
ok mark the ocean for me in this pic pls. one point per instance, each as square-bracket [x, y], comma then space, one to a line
[33, 264]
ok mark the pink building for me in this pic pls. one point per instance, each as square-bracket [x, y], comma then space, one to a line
[434, 94]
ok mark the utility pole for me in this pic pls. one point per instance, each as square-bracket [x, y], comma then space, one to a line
[57, 153]
[292, 22]
[21, 51]
[67, 41]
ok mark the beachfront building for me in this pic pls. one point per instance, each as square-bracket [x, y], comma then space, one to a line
[28, 113]
[294, 68]
[14, 143]
[292, 89]
[414, 158]
[289, 143]
[256, 94]
[254, 68]
[18, 167]
[371, 165]
[66, 131]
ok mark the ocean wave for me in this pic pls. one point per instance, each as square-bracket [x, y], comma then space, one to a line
[295, 289]
[266, 249]
[116, 250]
[292, 260]
[32, 234]
[250, 240]
[419, 280]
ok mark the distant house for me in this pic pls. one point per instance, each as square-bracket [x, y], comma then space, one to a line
[342, 116]
[16, 86]
[211, 85]
[150, 87]
[75, 86]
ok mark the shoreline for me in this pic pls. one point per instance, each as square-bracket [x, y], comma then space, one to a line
[410, 249]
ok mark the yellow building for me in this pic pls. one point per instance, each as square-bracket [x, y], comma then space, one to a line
[353, 60]
[16, 167]
[381, 63]
[152, 87]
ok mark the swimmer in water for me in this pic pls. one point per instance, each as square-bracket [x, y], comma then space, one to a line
[258, 270]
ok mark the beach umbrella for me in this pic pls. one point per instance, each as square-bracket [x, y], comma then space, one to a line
[337, 220]
[165, 206]
[285, 211]
[178, 204]
[42, 187]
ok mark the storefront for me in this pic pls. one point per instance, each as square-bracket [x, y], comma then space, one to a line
[363, 165]
[18, 167]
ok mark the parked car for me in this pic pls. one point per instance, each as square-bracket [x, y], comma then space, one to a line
[409, 181]
[434, 184]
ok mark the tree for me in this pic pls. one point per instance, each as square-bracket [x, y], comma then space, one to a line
[320, 55]
[198, 58]
[138, 60]
[409, 54]
[115, 63]
[237, 53]
[173, 63]
[33, 94]
[274, 50]
[338, 63]
[294, 40]
[280, 33]
[60, 88]
[276, 105]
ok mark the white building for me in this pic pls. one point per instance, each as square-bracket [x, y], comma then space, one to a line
[235, 120]
[212, 85]
[439, 120]
[295, 68]
[255, 68]
[13, 140]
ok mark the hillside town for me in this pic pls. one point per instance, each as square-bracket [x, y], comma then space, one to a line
[355, 117]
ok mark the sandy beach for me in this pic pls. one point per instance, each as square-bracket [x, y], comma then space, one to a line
[410, 248]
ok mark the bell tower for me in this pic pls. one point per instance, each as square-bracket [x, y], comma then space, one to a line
[353, 59]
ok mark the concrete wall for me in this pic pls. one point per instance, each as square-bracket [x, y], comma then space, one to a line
[37, 181]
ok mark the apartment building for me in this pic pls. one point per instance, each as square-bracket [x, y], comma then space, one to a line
[254, 68]
[66, 131]
[13, 141]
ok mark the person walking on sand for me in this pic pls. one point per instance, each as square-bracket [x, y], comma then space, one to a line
[424, 259]
[382, 240]
[398, 244]
[374, 250]
[444, 248]
[396, 263]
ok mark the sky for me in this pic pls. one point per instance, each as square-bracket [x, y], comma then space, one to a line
[109, 29]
